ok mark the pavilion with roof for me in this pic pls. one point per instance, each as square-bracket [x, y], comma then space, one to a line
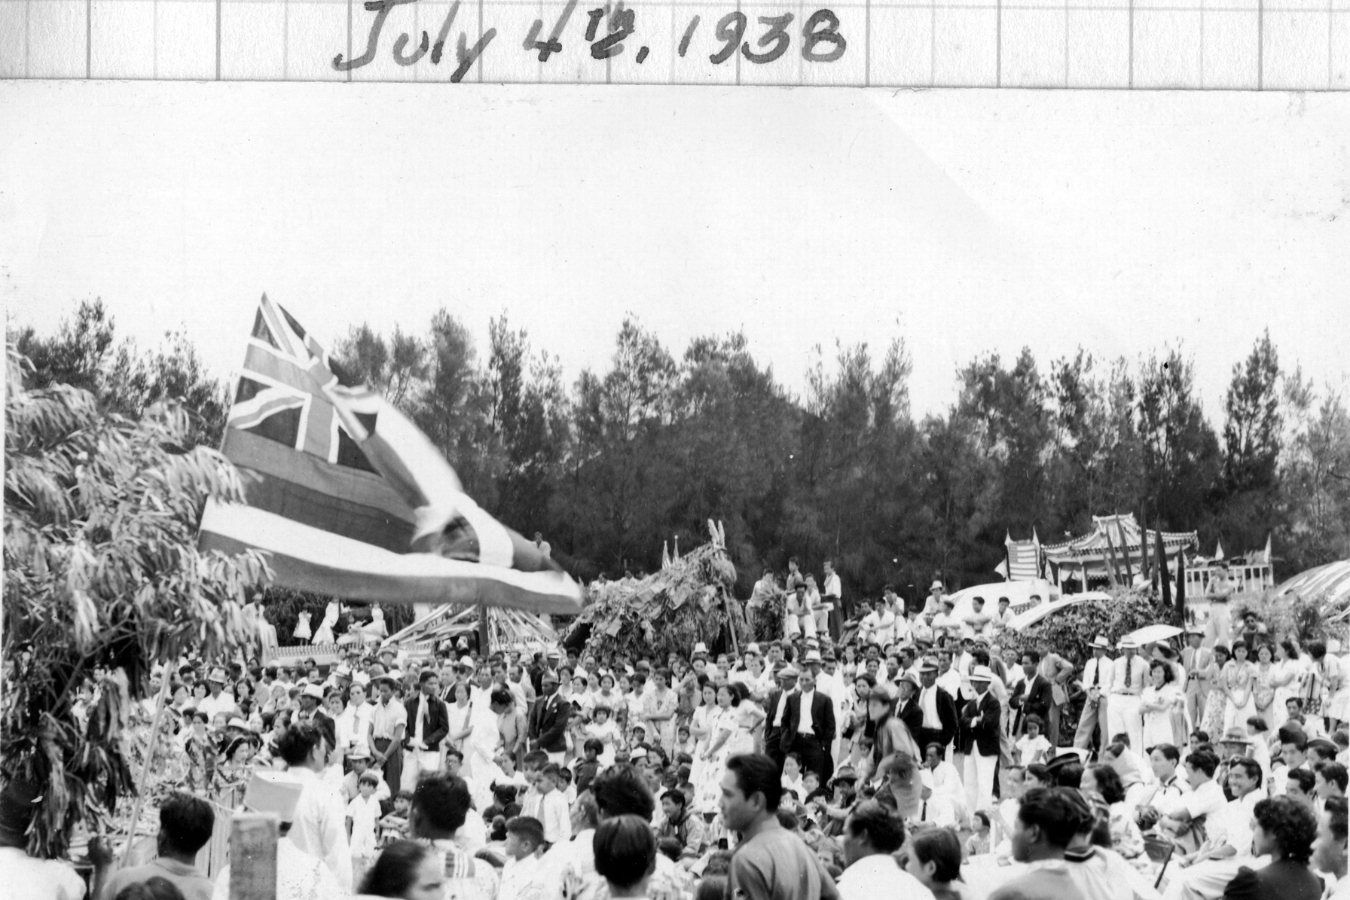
[1116, 550]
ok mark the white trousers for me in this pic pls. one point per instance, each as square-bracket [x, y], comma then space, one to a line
[416, 763]
[979, 780]
[1123, 717]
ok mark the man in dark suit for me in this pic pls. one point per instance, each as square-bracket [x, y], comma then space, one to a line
[980, 739]
[808, 727]
[775, 707]
[936, 710]
[1034, 695]
[548, 719]
[428, 724]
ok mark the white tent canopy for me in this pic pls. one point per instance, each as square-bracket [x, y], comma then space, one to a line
[1329, 583]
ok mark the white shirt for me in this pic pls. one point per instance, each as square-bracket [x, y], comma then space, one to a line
[804, 723]
[1129, 675]
[833, 586]
[1105, 667]
[355, 721]
[557, 820]
[1205, 800]
[518, 877]
[221, 703]
[320, 827]
[24, 878]
[928, 702]
[1233, 824]
[879, 877]
[782, 708]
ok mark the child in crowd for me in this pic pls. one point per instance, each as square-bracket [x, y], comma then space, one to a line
[394, 827]
[792, 777]
[978, 842]
[589, 765]
[1033, 747]
[530, 801]
[567, 785]
[524, 838]
[553, 807]
[363, 817]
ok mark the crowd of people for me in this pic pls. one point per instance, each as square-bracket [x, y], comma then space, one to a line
[875, 750]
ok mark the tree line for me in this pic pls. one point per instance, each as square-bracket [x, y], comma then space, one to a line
[649, 445]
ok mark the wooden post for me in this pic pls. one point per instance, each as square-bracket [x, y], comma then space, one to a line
[253, 856]
[149, 758]
[484, 638]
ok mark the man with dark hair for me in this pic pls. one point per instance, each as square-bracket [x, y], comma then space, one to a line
[548, 720]
[1285, 831]
[428, 724]
[625, 855]
[185, 825]
[770, 861]
[1329, 851]
[871, 836]
[440, 805]
[808, 727]
[1034, 694]
[1228, 839]
[1205, 798]
[1330, 780]
[678, 823]
[1046, 823]
[320, 824]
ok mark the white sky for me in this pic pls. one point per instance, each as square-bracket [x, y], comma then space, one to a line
[967, 221]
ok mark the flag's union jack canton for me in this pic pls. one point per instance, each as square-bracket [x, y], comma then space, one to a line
[350, 498]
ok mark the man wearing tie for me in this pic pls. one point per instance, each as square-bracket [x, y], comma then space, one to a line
[1122, 711]
[1195, 659]
[776, 707]
[808, 727]
[428, 724]
[1097, 675]
[936, 708]
[548, 721]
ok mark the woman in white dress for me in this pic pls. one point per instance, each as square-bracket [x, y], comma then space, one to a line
[324, 634]
[1239, 683]
[1268, 671]
[1158, 701]
[735, 732]
[700, 729]
[460, 714]
[1288, 681]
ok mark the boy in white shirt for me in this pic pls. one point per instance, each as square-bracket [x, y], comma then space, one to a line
[524, 837]
[363, 817]
[555, 815]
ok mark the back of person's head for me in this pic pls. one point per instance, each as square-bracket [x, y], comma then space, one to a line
[625, 850]
[155, 888]
[884, 831]
[585, 814]
[787, 818]
[621, 790]
[756, 773]
[1321, 749]
[1051, 812]
[527, 828]
[941, 847]
[1333, 773]
[535, 759]
[441, 802]
[1293, 736]
[186, 822]
[1069, 775]
[670, 848]
[298, 743]
[1206, 761]
[395, 869]
[711, 887]
[1290, 823]
[1109, 783]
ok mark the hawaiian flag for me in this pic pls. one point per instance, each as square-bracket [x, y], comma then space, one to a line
[350, 499]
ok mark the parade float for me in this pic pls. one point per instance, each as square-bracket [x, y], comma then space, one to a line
[689, 600]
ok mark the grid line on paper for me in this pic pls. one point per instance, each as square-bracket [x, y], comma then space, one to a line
[1136, 44]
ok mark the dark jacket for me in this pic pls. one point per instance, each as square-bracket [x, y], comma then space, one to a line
[548, 723]
[1283, 880]
[772, 734]
[437, 726]
[1032, 696]
[822, 719]
[979, 725]
[912, 715]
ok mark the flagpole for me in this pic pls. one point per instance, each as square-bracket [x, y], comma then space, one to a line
[145, 768]
[483, 638]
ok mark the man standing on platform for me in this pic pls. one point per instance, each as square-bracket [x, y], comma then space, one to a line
[808, 727]
[1131, 673]
[833, 597]
[1098, 673]
[1219, 628]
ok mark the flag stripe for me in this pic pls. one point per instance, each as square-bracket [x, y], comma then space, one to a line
[362, 488]
[314, 560]
[319, 509]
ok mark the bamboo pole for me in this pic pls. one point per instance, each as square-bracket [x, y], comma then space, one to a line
[145, 767]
